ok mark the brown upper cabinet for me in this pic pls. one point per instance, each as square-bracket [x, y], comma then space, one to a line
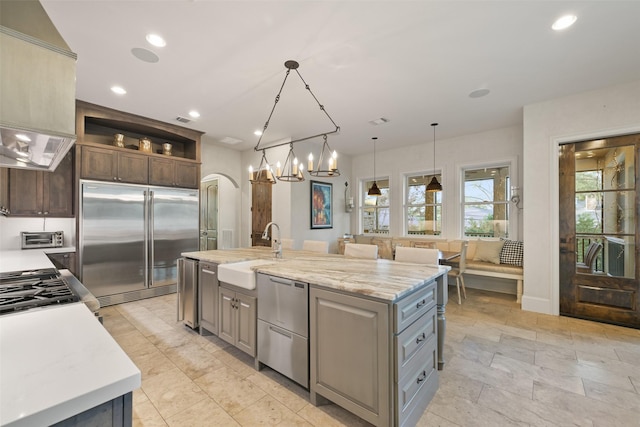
[101, 159]
[41, 193]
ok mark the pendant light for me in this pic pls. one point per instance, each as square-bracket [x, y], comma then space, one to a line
[374, 190]
[263, 175]
[434, 185]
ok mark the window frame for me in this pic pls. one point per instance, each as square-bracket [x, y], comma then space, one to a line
[363, 194]
[406, 205]
[510, 204]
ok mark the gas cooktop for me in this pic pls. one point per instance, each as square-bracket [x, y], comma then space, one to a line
[23, 290]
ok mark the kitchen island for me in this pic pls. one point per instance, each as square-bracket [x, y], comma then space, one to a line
[375, 343]
[59, 364]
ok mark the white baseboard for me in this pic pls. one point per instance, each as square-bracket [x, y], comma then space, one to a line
[535, 304]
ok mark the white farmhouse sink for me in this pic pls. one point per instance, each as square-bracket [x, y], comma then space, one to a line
[240, 273]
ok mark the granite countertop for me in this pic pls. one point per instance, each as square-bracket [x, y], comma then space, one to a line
[58, 361]
[382, 279]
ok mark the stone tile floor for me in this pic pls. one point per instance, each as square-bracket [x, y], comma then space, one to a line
[504, 367]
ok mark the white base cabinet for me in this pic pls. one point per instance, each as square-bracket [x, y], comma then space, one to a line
[237, 318]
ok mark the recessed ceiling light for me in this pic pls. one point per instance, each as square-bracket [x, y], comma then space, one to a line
[118, 89]
[479, 93]
[156, 40]
[257, 133]
[194, 114]
[564, 22]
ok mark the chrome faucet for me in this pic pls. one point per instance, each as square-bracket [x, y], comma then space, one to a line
[276, 246]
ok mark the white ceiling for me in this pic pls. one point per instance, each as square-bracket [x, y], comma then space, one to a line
[412, 62]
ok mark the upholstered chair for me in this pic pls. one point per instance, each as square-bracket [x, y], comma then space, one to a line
[316, 246]
[357, 250]
[417, 255]
[458, 271]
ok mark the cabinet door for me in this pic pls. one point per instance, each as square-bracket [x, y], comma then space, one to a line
[58, 189]
[133, 168]
[25, 192]
[98, 163]
[350, 339]
[161, 172]
[227, 315]
[187, 174]
[208, 297]
[246, 330]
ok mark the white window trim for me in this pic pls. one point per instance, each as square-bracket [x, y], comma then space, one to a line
[361, 191]
[512, 164]
[405, 196]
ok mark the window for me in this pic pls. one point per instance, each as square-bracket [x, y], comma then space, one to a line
[485, 209]
[375, 210]
[423, 209]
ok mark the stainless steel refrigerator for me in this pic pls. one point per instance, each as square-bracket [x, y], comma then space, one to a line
[131, 237]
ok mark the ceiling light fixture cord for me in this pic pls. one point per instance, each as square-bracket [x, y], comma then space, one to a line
[374, 190]
[434, 185]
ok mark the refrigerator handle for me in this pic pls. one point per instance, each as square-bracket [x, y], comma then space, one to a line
[151, 240]
[146, 238]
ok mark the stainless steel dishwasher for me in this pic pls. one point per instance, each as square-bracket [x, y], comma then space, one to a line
[283, 326]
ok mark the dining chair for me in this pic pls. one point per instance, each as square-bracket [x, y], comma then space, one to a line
[590, 255]
[316, 246]
[287, 243]
[417, 255]
[458, 271]
[359, 250]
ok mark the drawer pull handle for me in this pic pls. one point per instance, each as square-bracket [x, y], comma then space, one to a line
[421, 303]
[422, 377]
[281, 332]
[421, 338]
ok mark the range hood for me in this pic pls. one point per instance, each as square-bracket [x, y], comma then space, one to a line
[38, 87]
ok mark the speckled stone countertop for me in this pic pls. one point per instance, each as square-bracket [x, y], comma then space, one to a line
[382, 279]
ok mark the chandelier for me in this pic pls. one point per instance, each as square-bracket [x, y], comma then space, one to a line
[292, 169]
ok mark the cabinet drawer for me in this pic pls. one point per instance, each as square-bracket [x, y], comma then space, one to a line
[409, 309]
[422, 333]
[417, 387]
[284, 352]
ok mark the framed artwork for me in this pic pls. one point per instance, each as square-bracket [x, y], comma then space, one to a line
[321, 205]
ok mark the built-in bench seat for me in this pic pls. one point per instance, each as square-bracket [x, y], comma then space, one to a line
[387, 245]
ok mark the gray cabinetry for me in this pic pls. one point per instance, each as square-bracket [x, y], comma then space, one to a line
[349, 354]
[237, 318]
[375, 359]
[116, 413]
[208, 300]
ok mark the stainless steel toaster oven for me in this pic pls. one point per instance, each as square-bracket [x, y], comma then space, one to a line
[41, 239]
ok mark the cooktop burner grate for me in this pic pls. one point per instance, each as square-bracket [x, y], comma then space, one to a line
[30, 289]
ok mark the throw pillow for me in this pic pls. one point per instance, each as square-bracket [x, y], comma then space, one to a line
[512, 252]
[488, 250]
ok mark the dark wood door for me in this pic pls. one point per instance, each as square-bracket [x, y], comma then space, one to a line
[260, 212]
[599, 230]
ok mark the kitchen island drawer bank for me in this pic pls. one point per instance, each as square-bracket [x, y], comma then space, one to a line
[374, 329]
